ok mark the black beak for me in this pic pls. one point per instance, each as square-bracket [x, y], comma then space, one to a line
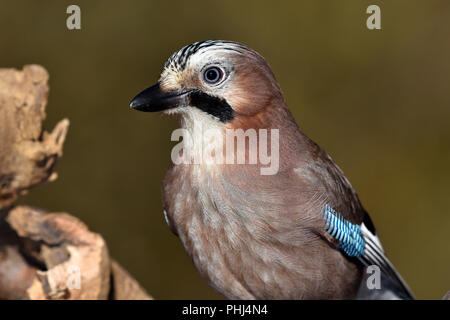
[154, 99]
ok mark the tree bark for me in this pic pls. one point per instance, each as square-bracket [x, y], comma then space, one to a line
[45, 255]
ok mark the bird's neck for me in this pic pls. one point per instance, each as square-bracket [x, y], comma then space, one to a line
[265, 140]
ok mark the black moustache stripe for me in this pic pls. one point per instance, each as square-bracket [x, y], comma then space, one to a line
[215, 106]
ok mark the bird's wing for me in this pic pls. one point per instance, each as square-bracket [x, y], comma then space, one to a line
[360, 241]
[347, 223]
[374, 255]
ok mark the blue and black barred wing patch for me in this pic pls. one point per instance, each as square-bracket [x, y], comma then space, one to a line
[348, 234]
[357, 241]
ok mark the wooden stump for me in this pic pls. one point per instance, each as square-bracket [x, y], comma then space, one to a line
[45, 255]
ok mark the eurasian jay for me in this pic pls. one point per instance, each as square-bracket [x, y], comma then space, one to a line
[299, 232]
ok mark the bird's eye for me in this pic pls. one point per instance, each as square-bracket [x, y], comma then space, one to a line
[213, 75]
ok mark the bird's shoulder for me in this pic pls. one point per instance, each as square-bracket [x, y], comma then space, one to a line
[323, 179]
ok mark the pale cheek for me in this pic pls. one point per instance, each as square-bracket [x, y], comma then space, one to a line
[239, 101]
[246, 100]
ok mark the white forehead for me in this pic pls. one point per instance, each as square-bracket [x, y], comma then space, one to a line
[203, 52]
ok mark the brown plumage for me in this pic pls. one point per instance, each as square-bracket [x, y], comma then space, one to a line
[252, 236]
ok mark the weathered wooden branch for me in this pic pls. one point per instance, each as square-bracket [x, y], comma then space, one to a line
[45, 255]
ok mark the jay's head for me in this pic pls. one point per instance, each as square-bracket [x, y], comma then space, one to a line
[220, 82]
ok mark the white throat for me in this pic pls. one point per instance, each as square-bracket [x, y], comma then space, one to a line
[202, 135]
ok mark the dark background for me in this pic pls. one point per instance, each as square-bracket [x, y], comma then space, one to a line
[377, 101]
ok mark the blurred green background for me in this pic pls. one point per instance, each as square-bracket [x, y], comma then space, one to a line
[377, 101]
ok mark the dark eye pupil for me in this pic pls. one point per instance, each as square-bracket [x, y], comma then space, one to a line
[213, 75]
